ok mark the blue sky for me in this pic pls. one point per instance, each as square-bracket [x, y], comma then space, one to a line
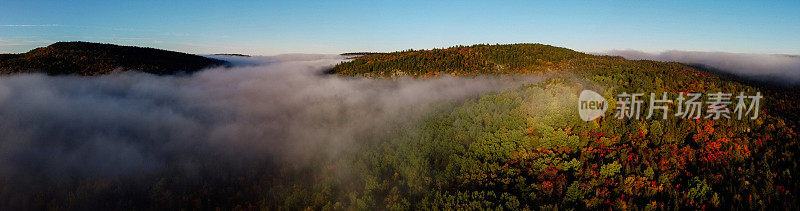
[275, 27]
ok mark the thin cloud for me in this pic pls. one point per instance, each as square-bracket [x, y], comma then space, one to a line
[29, 25]
[10, 43]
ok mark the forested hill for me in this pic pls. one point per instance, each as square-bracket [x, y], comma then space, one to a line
[85, 58]
[612, 71]
[459, 60]
[526, 148]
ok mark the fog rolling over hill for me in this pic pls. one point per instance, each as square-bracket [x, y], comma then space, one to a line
[127, 125]
[472, 127]
[526, 148]
[399, 105]
[780, 68]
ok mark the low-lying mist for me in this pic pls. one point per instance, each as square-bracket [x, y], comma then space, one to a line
[783, 69]
[274, 110]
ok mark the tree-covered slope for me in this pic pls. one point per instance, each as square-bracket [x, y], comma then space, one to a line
[527, 148]
[84, 58]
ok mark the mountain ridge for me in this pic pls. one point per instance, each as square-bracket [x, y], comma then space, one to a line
[87, 59]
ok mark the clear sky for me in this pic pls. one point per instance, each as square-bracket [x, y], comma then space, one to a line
[275, 27]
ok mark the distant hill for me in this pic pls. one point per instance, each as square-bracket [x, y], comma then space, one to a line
[475, 59]
[359, 53]
[85, 58]
[231, 54]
